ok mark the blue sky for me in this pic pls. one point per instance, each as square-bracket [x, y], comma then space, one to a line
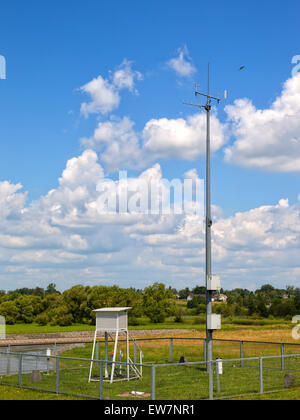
[54, 49]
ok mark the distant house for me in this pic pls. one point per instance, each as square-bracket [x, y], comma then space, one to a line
[221, 298]
[217, 298]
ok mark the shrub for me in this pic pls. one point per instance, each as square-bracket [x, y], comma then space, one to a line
[62, 317]
[179, 316]
[42, 319]
[158, 303]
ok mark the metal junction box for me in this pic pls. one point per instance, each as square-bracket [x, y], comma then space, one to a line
[214, 283]
[214, 322]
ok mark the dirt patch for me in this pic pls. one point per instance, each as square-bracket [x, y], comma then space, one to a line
[129, 395]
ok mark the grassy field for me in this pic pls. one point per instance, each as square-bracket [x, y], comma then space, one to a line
[13, 394]
[190, 322]
[190, 383]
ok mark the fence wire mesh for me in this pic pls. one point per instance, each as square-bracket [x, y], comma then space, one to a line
[185, 382]
[66, 368]
[236, 380]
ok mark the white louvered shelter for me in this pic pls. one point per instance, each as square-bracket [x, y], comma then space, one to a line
[112, 319]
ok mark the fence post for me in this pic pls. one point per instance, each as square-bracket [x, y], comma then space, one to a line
[8, 361]
[282, 357]
[106, 355]
[218, 378]
[57, 375]
[171, 350]
[204, 350]
[134, 351]
[211, 380]
[20, 369]
[153, 380]
[101, 381]
[261, 379]
[242, 353]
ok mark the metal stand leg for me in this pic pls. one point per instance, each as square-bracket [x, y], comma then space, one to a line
[127, 358]
[93, 354]
[106, 355]
[114, 358]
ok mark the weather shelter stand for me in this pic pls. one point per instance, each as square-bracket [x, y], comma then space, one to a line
[113, 322]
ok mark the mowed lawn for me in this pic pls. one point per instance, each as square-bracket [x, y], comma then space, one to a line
[196, 323]
[182, 383]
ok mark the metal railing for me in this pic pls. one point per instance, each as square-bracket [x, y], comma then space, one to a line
[238, 348]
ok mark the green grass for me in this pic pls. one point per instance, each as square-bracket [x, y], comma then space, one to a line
[37, 329]
[274, 396]
[8, 393]
[169, 324]
[172, 383]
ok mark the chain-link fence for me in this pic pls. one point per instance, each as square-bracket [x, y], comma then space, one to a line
[180, 381]
[154, 372]
[165, 349]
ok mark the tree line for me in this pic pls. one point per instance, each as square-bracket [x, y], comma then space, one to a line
[76, 305]
[266, 302]
[157, 302]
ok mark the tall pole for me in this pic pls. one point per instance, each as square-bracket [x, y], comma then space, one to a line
[208, 223]
[209, 293]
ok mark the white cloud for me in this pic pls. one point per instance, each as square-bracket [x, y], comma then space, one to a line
[124, 77]
[62, 238]
[12, 201]
[191, 174]
[267, 139]
[121, 146]
[104, 93]
[182, 138]
[118, 144]
[104, 97]
[182, 64]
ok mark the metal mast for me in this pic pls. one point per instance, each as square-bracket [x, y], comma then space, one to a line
[211, 283]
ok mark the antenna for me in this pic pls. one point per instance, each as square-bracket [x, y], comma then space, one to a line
[213, 321]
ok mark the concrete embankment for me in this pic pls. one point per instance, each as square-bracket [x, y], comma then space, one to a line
[77, 337]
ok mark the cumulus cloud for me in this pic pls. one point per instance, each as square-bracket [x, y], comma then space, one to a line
[62, 238]
[182, 138]
[267, 139]
[118, 144]
[105, 93]
[125, 77]
[121, 146]
[182, 64]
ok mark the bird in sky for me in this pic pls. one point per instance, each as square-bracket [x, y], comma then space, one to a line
[242, 68]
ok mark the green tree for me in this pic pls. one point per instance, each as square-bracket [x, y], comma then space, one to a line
[73, 300]
[10, 311]
[199, 290]
[61, 316]
[196, 301]
[51, 289]
[183, 294]
[158, 303]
